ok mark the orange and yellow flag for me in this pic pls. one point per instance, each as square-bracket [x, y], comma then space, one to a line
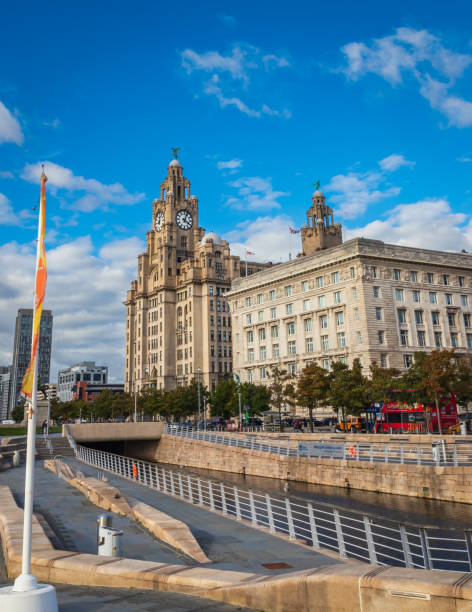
[39, 292]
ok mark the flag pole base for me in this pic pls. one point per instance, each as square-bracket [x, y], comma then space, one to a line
[42, 598]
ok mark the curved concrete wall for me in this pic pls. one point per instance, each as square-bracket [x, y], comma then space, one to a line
[115, 432]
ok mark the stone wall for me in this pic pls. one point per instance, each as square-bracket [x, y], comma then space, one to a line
[442, 483]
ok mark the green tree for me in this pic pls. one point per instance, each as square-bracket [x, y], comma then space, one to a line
[432, 377]
[103, 405]
[381, 383]
[282, 390]
[347, 389]
[18, 413]
[463, 383]
[257, 397]
[312, 388]
[224, 399]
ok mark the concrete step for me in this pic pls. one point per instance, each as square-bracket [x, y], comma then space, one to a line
[60, 446]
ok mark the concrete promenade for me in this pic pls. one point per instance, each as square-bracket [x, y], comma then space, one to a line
[326, 584]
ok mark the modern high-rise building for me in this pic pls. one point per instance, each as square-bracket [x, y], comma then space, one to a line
[22, 351]
[364, 298]
[5, 380]
[84, 371]
[177, 314]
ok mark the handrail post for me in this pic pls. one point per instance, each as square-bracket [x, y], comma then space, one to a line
[468, 543]
[190, 492]
[406, 547]
[370, 539]
[252, 506]
[402, 454]
[164, 480]
[223, 499]
[339, 533]
[172, 483]
[270, 514]
[200, 492]
[425, 548]
[210, 495]
[236, 503]
[357, 451]
[291, 527]
[371, 451]
[181, 488]
[314, 532]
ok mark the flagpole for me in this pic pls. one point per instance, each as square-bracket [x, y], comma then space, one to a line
[289, 244]
[26, 594]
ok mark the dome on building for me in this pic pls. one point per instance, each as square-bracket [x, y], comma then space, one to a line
[175, 162]
[318, 194]
[211, 236]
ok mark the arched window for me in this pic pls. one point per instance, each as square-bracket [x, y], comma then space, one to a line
[179, 311]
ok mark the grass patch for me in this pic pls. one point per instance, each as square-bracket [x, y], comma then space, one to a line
[21, 431]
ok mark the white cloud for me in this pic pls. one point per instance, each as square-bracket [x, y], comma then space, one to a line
[457, 110]
[236, 64]
[420, 55]
[10, 129]
[231, 164]
[429, 224]
[85, 292]
[7, 214]
[54, 123]
[464, 159]
[267, 237]
[274, 61]
[228, 20]
[355, 191]
[212, 88]
[94, 193]
[231, 76]
[254, 193]
[393, 162]
[6, 174]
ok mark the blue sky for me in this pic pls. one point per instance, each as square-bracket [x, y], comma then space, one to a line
[263, 99]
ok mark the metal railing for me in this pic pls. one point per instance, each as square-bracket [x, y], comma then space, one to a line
[369, 539]
[437, 454]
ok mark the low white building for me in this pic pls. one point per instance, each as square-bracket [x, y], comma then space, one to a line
[83, 371]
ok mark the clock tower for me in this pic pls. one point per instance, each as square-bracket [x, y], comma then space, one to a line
[177, 314]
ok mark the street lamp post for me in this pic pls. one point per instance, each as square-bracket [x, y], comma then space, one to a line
[240, 415]
[204, 412]
[199, 371]
[135, 406]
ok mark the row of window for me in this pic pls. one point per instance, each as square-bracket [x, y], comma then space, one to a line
[429, 277]
[309, 346]
[290, 327]
[307, 306]
[433, 297]
[288, 289]
[220, 306]
[435, 317]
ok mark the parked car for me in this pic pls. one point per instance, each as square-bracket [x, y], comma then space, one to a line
[353, 424]
[218, 423]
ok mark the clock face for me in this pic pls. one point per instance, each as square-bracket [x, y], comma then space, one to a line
[159, 221]
[184, 219]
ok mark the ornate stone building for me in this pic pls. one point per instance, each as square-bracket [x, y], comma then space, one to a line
[177, 312]
[363, 298]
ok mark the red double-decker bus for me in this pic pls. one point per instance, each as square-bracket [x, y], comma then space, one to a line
[396, 416]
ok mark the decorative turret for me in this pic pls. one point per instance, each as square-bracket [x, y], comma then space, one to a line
[320, 232]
